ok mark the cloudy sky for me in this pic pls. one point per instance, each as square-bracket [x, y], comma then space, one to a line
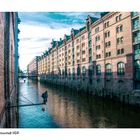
[38, 29]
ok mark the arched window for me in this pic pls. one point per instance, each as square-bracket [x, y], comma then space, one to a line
[83, 70]
[78, 70]
[137, 64]
[108, 69]
[90, 70]
[98, 70]
[121, 28]
[73, 70]
[59, 71]
[73, 73]
[137, 69]
[63, 72]
[120, 68]
[69, 72]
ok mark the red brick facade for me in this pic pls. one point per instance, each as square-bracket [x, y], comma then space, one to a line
[2, 99]
[8, 84]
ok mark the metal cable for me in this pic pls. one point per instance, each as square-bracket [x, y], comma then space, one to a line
[27, 99]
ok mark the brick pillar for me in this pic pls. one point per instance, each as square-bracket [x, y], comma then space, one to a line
[6, 67]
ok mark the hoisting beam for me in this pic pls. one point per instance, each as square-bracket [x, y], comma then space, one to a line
[25, 105]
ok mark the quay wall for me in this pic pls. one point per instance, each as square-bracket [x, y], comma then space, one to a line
[116, 89]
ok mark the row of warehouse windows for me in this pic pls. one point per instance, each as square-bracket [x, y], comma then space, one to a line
[108, 69]
[107, 33]
[108, 54]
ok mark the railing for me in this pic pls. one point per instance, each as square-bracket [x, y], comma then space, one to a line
[20, 76]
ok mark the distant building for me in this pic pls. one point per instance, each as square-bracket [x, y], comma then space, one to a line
[8, 68]
[32, 68]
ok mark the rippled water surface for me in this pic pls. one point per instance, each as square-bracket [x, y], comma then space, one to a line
[67, 109]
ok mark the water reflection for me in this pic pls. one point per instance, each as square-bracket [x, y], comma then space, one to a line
[71, 110]
[33, 116]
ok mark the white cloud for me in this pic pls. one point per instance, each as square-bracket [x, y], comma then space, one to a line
[38, 29]
[33, 43]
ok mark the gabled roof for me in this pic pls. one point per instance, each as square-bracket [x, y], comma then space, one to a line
[74, 31]
[60, 42]
[45, 53]
[54, 43]
[93, 19]
[104, 13]
[81, 29]
[67, 37]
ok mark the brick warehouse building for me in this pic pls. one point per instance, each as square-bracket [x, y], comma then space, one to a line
[32, 69]
[8, 68]
[102, 58]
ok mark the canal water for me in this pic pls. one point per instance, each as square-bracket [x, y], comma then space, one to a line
[68, 109]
